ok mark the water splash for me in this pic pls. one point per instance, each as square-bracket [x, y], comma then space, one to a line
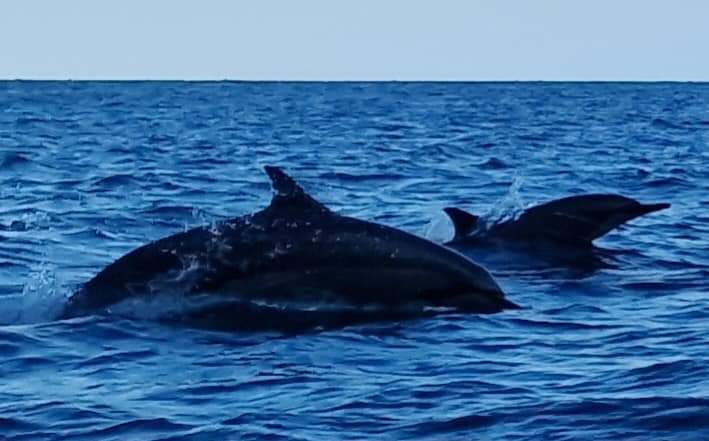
[41, 300]
[439, 228]
[510, 207]
[200, 217]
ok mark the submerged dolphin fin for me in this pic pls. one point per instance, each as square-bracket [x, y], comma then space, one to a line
[463, 222]
[287, 192]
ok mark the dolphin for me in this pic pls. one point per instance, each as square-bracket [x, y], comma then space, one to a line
[294, 252]
[565, 226]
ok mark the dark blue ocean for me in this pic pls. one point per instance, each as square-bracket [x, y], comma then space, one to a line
[91, 170]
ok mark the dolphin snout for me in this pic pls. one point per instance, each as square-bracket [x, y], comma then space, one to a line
[482, 293]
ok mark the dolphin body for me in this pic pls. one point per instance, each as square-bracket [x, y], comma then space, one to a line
[562, 230]
[294, 252]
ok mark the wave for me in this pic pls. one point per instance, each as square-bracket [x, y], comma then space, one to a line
[13, 160]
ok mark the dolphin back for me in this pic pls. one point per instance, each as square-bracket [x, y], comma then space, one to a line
[584, 218]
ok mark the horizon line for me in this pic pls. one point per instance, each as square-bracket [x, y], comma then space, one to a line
[231, 80]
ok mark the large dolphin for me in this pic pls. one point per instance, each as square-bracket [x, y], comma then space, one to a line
[294, 252]
[562, 229]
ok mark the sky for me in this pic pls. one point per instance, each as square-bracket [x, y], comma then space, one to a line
[476, 40]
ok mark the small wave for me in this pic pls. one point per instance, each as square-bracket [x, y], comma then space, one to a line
[12, 160]
[162, 139]
[12, 426]
[140, 427]
[645, 287]
[112, 102]
[665, 124]
[576, 309]
[534, 138]
[667, 181]
[28, 362]
[553, 325]
[692, 416]
[15, 225]
[666, 370]
[342, 176]
[494, 163]
[108, 357]
[462, 424]
[114, 181]
[28, 120]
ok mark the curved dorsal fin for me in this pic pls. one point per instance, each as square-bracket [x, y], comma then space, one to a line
[287, 192]
[464, 222]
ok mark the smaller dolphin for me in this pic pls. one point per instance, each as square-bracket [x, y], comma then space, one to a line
[295, 251]
[562, 229]
[574, 220]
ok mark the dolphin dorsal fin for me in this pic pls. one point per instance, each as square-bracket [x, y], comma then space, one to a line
[463, 222]
[287, 192]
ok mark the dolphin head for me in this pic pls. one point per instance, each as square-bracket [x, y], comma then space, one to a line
[427, 271]
[475, 289]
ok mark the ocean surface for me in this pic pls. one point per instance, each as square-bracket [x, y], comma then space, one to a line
[91, 170]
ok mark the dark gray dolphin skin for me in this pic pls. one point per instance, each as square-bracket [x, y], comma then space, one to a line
[296, 250]
[557, 234]
[573, 220]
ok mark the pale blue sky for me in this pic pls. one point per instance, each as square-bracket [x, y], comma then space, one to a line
[355, 40]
